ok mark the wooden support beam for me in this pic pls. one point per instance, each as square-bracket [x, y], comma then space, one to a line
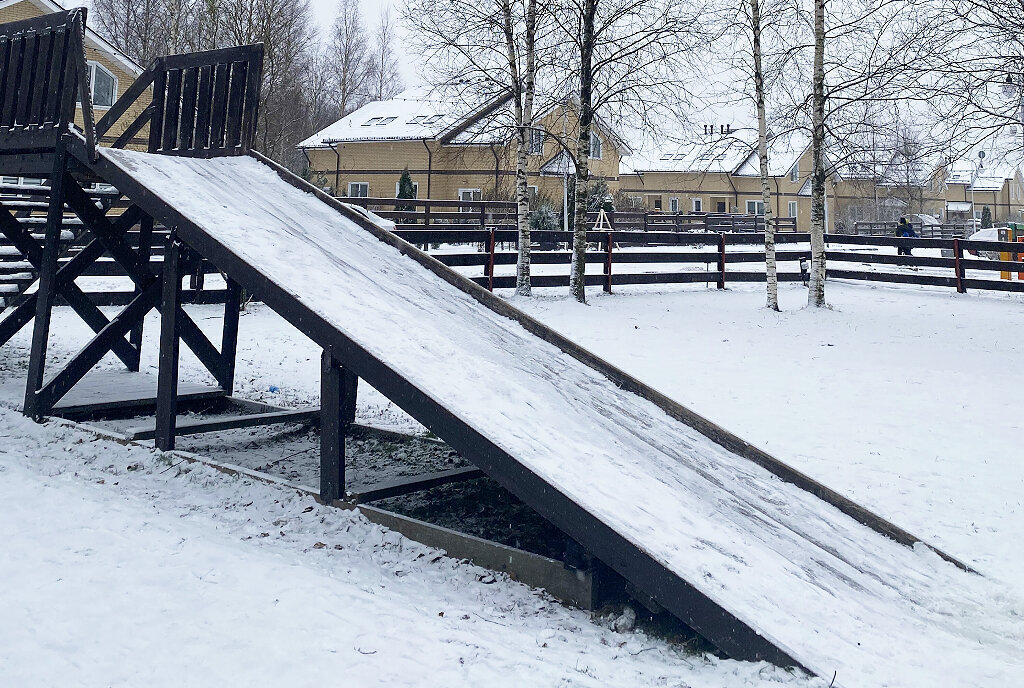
[145, 253]
[414, 483]
[167, 382]
[218, 423]
[229, 335]
[337, 410]
[46, 292]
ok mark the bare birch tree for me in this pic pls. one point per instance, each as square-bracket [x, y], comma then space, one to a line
[384, 75]
[493, 50]
[349, 52]
[629, 61]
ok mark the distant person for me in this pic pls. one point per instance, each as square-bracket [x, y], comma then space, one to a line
[904, 230]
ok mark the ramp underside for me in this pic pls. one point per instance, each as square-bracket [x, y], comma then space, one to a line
[827, 591]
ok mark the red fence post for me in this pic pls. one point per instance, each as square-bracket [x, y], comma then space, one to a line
[958, 256]
[721, 260]
[608, 265]
[490, 261]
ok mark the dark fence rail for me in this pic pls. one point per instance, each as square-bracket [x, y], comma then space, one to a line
[428, 213]
[955, 230]
[674, 258]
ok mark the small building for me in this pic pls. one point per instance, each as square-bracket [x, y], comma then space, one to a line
[454, 148]
[998, 185]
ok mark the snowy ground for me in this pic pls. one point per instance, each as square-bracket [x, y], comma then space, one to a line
[900, 398]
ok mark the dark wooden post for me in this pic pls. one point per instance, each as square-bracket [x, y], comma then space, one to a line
[958, 256]
[490, 260]
[145, 253]
[46, 292]
[167, 380]
[338, 388]
[229, 337]
[608, 265]
[721, 260]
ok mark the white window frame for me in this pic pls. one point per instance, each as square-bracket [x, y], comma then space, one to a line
[93, 66]
[752, 209]
[794, 208]
[673, 205]
[532, 193]
[469, 208]
[697, 205]
[352, 184]
[415, 189]
[794, 174]
[598, 144]
[535, 146]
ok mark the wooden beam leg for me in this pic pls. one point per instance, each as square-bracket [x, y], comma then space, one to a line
[46, 290]
[337, 409]
[167, 383]
[229, 337]
[145, 250]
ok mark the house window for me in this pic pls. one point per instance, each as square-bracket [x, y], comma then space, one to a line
[794, 174]
[657, 202]
[720, 207]
[792, 208]
[103, 85]
[372, 121]
[415, 189]
[698, 205]
[386, 120]
[533, 192]
[595, 146]
[358, 189]
[536, 145]
[467, 195]
[755, 207]
[673, 205]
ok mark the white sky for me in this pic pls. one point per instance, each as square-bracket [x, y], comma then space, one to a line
[324, 12]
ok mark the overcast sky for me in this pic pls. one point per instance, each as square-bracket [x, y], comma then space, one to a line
[324, 12]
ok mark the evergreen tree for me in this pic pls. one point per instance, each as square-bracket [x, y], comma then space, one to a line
[986, 217]
[406, 190]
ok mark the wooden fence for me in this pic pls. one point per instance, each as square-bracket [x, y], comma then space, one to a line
[695, 257]
[500, 215]
[959, 230]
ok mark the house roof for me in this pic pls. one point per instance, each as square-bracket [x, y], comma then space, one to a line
[732, 153]
[91, 37]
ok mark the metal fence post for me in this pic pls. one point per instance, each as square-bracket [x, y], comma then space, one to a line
[490, 260]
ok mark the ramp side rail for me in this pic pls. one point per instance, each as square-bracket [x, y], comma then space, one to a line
[203, 104]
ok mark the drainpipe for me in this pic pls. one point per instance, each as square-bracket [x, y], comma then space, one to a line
[735, 191]
[778, 198]
[430, 165]
[497, 167]
[337, 168]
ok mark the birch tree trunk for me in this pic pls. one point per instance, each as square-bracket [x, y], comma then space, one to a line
[577, 280]
[524, 118]
[770, 266]
[816, 293]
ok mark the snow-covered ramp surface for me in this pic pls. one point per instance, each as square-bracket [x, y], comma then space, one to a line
[828, 591]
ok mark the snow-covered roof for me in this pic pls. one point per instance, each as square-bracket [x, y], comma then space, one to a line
[731, 153]
[416, 113]
[1003, 160]
[722, 153]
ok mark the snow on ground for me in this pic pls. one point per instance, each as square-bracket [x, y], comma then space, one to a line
[122, 569]
[902, 398]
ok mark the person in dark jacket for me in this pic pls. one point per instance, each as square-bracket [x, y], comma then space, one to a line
[904, 229]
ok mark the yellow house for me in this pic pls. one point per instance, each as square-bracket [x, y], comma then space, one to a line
[111, 72]
[452, 151]
[721, 174]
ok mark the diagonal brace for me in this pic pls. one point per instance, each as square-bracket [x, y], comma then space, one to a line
[141, 273]
[21, 238]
